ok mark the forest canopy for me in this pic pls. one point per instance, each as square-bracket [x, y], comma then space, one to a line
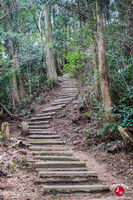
[90, 40]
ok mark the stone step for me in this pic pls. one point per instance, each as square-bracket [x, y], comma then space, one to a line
[53, 108]
[56, 158]
[62, 169]
[38, 122]
[113, 198]
[65, 99]
[65, 174]
[68, 80]
[46, 142]
[69, 88]
[68, 153]
[47, 148]
[53, 153]
[60, 164]
[58, 103]
[45, 114]
[67, 180]
[68, 91]
[61, 102]
[68, 85]
[74, 188]
[41, 118]
[31, 127]
[45, 136]
[66, 88]
[73, 96]
[41, 131]
[67, 95]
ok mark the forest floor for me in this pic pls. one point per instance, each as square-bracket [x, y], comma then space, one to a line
[18, 175]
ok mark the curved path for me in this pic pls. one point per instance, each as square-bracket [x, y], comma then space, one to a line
[59, 171]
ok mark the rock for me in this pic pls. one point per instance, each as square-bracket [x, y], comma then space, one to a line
[75, 142]
[24, 128]
[22, 151]
[5, 131]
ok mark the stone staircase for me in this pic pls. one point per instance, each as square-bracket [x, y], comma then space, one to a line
[59, 171]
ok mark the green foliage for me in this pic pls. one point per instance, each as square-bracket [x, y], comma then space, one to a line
[76, 62]
[11, 166]
[42, 98]
[26, 113]
[24, 162]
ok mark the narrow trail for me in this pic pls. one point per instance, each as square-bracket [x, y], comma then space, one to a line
[60, 172]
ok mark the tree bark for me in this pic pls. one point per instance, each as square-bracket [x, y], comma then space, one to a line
[14, 89]
[42, 47]
[94, 53]
[96, 71]
[104, 80]
[21, 87]
[79, 17]
[50, 59]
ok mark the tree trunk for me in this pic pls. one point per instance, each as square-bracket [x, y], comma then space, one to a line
[50, 60]
[42, 46]
[42, 60]
[96, 71]
[94, 53]
[14, 89]
[14, 92]
[79, 17]
[21, 87]
[104, 80]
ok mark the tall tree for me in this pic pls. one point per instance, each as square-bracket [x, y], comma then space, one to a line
[104, 80]
[50, 59]
[14, 88]
[38, 25]
[93, 38]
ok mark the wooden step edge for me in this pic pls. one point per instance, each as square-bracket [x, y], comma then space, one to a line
[54, 108]
[62, 169]
[44, 141]
[55, 158]
[52, 152]
[113, 198]
[45, 114]
[69, 173]
[46, 131]
[75, 188]
[69, 180]
[56, 147]
[57, 164]
[38, 122]
[45, 136]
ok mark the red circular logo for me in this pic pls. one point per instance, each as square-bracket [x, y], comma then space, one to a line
[119, 190]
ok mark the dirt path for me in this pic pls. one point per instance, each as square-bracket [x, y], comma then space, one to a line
[21, 185]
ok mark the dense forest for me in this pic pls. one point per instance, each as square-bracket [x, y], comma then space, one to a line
[66, 98]
[90, 40]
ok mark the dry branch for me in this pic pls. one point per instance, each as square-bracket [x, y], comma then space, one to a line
[7, 111]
